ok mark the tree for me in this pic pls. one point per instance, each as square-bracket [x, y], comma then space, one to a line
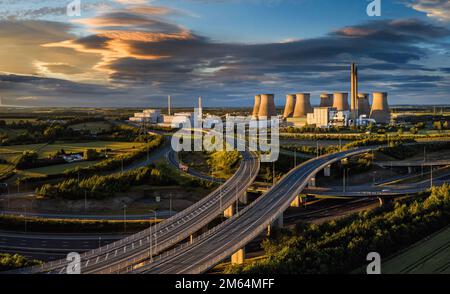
[90, 154]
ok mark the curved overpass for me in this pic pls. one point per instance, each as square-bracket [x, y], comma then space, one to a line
[227, 238]
[135, 248]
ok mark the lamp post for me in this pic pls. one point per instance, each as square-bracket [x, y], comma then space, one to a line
[125, 218]
[150, 235]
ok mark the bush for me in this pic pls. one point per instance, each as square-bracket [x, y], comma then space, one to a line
[341, 246]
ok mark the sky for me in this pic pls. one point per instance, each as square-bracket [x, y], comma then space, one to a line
[133, 53]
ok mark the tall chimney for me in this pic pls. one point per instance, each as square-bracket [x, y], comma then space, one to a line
[380, 108]
[290, 106]
[256, 106]
[326, 100]
[302, 105]
[340, 101]
[200, 108]
[267, 106]
[354, 90]
[169, 105]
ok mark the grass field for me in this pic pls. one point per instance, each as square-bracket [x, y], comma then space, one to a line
[10, 153]
[53, 169]
[429, 256]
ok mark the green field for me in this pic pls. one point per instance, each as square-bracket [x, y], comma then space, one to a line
[53, 169]
[429, 256]
[10, 153]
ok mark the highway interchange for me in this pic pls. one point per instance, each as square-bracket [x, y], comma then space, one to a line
[156, 249]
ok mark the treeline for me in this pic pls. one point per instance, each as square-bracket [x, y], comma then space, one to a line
[42, 225]
[104, 186]
[15, 261]
[321, 150]
[222, 163]
[110, 164]
[100, 187]
[342, 246]
[405, 151]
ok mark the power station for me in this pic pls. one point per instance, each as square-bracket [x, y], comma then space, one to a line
[334, 109]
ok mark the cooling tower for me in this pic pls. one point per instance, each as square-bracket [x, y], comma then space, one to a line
[290, 106]
[302, 105]
[267, 106]
[326, 100]
[363, 104]
[380, 108]
[256, 107]
[340, 101]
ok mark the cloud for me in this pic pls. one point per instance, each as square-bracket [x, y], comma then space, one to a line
[136, 56]
[438, 9]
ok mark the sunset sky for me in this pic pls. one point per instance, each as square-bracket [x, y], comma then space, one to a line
[133, 53]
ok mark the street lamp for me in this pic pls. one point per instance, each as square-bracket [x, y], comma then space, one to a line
[125, 218]
[150, 235]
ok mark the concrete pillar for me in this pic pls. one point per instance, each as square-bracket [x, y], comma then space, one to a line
[410, 170]
[280, 221]
[381, 200]
[312, 182]
[327, 171]
[297, 202]
[244, 198]
[238, 257]
[229, 212]
[191, 239]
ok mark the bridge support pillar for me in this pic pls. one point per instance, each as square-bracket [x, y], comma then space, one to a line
[381, 200]
[244, 198]
[279, 223]
[297, 201]
[312, 182]
[229, 212]
[410, 170]
[327, 171]
[191, 239]
[238, 257]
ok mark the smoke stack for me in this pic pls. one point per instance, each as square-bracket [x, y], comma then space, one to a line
[290, 106]
[354, 90]
[326, 100]
[302, 105]
[267, 106]
[200, 108]
[380, 108]
[363, 104]
[169, 106]
[340, 101]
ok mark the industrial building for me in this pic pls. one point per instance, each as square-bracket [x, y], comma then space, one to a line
[152, 116]
[321, 116]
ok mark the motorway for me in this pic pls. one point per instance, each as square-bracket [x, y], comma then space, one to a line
[123, 253]
[49, 246]
[227, 238]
